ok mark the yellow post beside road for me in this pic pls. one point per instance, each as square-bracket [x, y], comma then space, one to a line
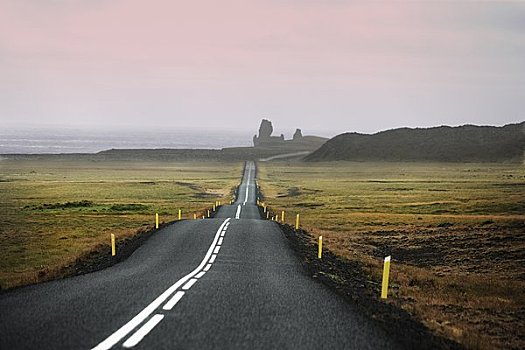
[264, 206]
[157, 220]
[386, 274]
[180, 213]
[320, 248]
[113, 248]
[267, 215]
[282, 216]
[194, 216]
[208, 212]
[214, 207]
[297, 222]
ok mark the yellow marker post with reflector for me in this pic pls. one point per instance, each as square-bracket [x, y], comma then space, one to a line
[156, 220]
[113, 248]
[180, 213]
[208, 212]
[386, 274]
[297, 222]
[320, 248]
[214, 207]
[194, 216]
[282, 216]
[264, 206]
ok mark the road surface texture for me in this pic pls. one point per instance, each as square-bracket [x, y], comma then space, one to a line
[230, 282]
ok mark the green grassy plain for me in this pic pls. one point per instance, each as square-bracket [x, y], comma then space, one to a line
[53, 212]
[456, 233]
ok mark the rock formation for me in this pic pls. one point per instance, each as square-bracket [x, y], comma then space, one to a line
[298, 135]
[265, 134]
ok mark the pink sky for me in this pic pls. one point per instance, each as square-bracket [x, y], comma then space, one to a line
[319, 65]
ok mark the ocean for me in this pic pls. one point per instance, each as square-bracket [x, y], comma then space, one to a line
[51, 140]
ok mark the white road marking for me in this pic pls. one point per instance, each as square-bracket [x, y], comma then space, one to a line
[238, 213]
[217, 248]
[174, 300]
[222, 234]
[200, 274]
[143, 331]
[118, 335]
[207, 267]
[220, 241]
[246, 186]
[189, 284]
[212, 259]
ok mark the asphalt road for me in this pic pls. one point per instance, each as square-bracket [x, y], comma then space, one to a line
[230, 282]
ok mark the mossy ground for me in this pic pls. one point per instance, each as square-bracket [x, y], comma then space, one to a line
[456, 233]
[52, 212]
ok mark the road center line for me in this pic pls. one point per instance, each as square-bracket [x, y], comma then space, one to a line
[174, 300]
[123, 331]
[189, 284]
[238, 213]
[143, 331]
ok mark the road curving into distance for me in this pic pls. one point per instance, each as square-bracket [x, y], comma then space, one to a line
[230, 282]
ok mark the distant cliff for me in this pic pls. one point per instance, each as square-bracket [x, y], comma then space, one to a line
[468, 143]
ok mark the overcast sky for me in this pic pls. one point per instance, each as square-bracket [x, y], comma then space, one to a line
[319, 65]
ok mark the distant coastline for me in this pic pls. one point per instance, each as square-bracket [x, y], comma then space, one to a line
[71, 141]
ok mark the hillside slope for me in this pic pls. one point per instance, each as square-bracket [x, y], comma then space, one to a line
[468, 143]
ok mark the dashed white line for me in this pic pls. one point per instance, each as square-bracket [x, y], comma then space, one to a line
[123, 331]
[220, 241]
[207, 267]
[217, 248]
[238, 213]
[189, 284]
[143, 331]
[200, 274]
[174, 300]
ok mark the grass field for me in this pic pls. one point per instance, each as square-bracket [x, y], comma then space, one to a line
[456, 233]
[53, 212]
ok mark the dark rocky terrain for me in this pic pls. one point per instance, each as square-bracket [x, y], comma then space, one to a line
[468, 143]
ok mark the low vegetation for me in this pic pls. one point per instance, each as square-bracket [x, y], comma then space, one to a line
[53, 212]
[455, 233]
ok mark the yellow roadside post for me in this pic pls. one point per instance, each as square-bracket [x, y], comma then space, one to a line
[214, 207]
[194, 216]
[297, 222]
[264, 206]
[180, 213]
[157, 220]
[208, 212]
[320, 248]
[267, 215]
[113, 248]
[282, 216]
[386, 274]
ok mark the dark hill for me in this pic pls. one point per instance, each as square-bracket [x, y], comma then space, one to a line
[468, 143]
